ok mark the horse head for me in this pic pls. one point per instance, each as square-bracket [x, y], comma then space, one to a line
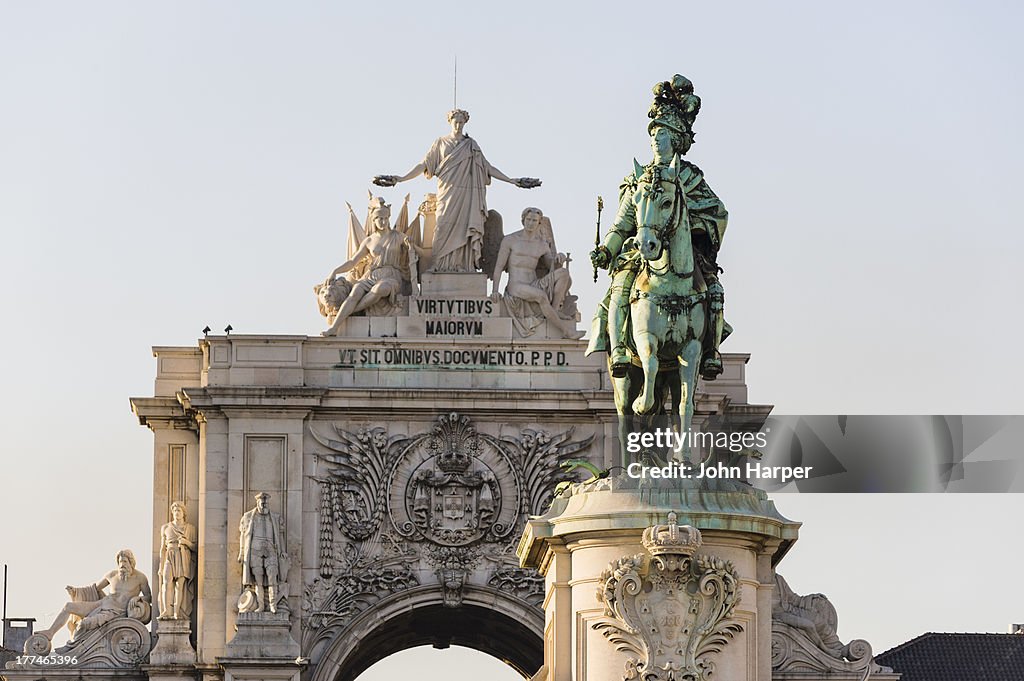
[658, 202]
[660, 205]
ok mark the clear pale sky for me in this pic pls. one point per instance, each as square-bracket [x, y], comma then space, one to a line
[168, 166]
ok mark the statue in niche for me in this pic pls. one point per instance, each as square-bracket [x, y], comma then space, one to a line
[261, 551]
[538, 280]
[177, 565]
[379, 271]
[462, 175]
[672, 115]
[90, 607]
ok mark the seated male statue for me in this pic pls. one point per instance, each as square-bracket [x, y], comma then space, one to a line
[521, 254]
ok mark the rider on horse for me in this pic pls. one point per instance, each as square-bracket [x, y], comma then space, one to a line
[673, 113]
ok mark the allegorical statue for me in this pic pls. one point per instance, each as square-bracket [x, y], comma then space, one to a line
[672, 115]
[538, 283]
[804, 638]
[90, 607]
[462, 175]
[813, 614]
[380, 270]
[177, 565]
[261, 552]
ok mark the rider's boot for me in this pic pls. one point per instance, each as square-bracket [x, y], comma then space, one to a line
[259, 598]
[271, 599]
[618, 311]
[711, 362]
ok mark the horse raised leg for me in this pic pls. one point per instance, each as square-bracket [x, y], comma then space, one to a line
[647, 352]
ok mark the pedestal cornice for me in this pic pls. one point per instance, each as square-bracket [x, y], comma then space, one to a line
[610, 508]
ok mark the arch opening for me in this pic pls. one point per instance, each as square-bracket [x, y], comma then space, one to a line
[512, 635]
[428, 664]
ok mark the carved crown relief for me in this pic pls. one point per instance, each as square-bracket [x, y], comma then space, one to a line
[443, 507]
[670, 609]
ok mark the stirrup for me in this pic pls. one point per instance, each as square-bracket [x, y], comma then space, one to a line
[711, 368]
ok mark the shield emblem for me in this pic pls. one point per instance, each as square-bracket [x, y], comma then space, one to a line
[454, 506]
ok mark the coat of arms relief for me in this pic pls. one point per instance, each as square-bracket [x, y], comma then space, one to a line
[670, 609]
[442, 508]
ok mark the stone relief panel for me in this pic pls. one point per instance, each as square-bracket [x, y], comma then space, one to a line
[440, 509]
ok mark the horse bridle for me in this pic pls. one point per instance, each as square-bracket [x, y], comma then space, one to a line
[667, 230]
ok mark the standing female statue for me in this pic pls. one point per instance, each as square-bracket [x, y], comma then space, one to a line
[462, 175]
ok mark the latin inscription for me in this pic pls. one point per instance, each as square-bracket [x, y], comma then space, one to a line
[453, 317]
[457, 307]
[454, 327]
[377, 357]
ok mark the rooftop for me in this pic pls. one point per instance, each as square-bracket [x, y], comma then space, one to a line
[958, 657]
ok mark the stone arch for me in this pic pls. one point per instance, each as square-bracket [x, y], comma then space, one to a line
[488, 620]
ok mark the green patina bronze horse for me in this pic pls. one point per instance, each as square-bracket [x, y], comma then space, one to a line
[667, 300]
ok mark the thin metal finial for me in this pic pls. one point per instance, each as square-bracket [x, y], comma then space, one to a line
[455, 85]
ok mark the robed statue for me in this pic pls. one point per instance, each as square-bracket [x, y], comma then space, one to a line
[178, 543]
[462, 175]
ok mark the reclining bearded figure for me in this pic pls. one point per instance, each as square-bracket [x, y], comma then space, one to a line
[91, 607]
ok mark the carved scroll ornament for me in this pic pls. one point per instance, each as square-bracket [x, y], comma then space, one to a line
[670, 609]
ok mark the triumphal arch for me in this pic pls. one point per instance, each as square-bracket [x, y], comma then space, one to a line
[441, 460]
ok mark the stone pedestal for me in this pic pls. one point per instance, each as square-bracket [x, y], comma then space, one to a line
[453, 284]
[262, 635]
[263, 649]
[172, 646]
[600, 545]
[262, 670]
